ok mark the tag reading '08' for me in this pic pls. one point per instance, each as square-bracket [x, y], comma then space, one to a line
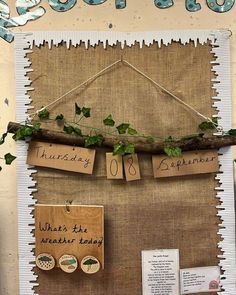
[160, 272]
[63, 157]
[193, 162]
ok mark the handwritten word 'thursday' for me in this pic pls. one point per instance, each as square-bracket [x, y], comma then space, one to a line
[23, 8]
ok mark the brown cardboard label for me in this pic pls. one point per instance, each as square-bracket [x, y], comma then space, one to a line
[63, 157]
[74, 229]
[131, 165]
[114, 166]
[194, 162]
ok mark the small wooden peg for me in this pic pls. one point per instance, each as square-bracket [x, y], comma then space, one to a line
[68, 263]
[45, 261]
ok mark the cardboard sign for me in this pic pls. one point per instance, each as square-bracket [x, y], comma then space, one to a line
[160, 272]
[200, 279]
[75, 230]
[194, 162]
[63, 157]
[131, 165]
[114, 166]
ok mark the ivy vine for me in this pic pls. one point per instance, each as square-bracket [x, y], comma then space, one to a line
[95, 136]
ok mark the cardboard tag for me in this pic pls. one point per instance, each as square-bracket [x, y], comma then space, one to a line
[63, 157]
[194, 162]
[200, 279]
[160, 272]
[131, 165]
[76, 230]
[114, 166]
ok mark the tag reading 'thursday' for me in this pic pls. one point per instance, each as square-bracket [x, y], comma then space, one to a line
[194, 162]
[200, 279]
[63, 157]
[160, 272]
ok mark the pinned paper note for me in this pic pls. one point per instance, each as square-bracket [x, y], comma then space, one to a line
[200, 279]
[69, 230]
[114, 166]
[131, 166]
[194, 162]
[160, 272]
[63, 157]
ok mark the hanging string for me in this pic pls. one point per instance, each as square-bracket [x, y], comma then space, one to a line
[142, 74]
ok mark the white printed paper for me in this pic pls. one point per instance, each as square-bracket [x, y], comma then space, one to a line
[200, 279]
[160, 272]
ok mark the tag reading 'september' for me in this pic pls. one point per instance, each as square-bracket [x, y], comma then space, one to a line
[63, 157]
[194, 162]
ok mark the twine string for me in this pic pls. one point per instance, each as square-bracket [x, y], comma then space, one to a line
[101, 72]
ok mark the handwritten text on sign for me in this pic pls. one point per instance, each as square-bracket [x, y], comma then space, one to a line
[77, 230]
[194, 162]
[61, 157]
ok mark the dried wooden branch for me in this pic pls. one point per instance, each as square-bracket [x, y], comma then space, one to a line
[196, 143]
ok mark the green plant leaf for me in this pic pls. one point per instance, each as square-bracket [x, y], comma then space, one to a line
[2, 139]
[26, 131]
[118, 149]
[173, 151]
[206, 125]
[232, 132]
[59, 117]
[94, 140]
[86, 112]
[109, 121]
[130, 148]
[122, 128]
[77, 131]
[150, 139]
[68, 129]
[77, 109]
[132, 131]
[44, 114]
[36, 127]
[9, 158]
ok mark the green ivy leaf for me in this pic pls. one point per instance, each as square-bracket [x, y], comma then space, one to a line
[77, 109]
[86, 112]
[36, 127]
[68, 129]
[132, 131]
[206, 125]
[9, 158]
[44, 114]
[232, 132]
[59, 117]
[118, 149]
[173, 151]
[150, 139]
[94, 140]
[122, 128]
[2, 139]
[130, 148]
[109, 121]
[77, 131]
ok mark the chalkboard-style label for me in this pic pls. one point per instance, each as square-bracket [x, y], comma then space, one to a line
[114, 166]
[131, 165]
[194, 162]
[63, 157]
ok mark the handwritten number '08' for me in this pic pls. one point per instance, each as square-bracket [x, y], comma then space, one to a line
[131, 168]
[114, 164]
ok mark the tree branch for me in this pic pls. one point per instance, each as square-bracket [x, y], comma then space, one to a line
[196, 143]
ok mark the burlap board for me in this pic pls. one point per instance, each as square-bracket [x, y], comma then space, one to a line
[178, 212]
